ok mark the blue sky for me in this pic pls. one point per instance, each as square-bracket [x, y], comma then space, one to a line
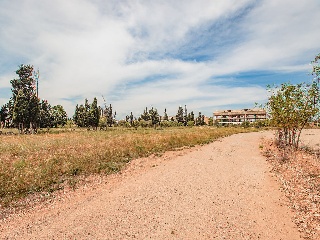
[206, 54]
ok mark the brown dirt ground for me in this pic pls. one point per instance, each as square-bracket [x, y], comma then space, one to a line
[298, 173]
[223, 190]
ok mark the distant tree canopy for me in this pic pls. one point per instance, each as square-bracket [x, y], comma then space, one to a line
[24, 109]
[6, 114]
[179, 115]
[109, 115]
[52, 116]
[94, 114]
[191, 116]
[45, 118]
[154, 116]
[59, 116]
[145, 115]
[87, 115]
[27, 112]
[200, 120]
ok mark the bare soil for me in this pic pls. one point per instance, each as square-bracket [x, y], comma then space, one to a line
[298, 173]
[223, 190]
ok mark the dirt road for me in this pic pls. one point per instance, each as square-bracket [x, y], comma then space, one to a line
[219, 191]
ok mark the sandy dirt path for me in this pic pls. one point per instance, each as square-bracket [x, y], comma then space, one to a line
[219, 191]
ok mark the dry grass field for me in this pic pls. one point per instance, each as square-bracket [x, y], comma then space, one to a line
[48, 161]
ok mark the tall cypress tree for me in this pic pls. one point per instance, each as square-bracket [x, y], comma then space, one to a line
[45, 115]
[131, 119]
[191, 116]
[179, 116]
[154, 116]
[94, 114]
[58, 116]
[81, 116]
[185, 116]
[76, 115]
[109, 115]
[165, 116]
[200, 120]
[145, 115]
[25, 102]
[87, 117]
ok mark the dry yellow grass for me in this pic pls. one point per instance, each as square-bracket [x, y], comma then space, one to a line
[35, 163]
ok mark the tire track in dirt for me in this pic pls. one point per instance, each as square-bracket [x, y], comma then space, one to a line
[222, 190]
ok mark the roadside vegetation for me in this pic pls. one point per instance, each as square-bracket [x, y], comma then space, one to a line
[292, 108]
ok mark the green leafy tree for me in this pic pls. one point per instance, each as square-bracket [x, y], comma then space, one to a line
[131, 119]
[87, 117]
[154, 116]
[191, 116]
[26, 110]
[107, 112]
[81, 116]
[291, 107]
[59, 116]
[200, 120]
[179, 115]
[76, 115]
[94, 114]
[185, 116]
[145, 115]
[110, 117]
[8, 122]
[20, 111]
[45, 119]
[25, 83]
[4, 115]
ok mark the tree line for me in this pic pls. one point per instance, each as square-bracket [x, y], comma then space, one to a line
[291, 107]
[90, 115]
[27, 112]
[24, 110]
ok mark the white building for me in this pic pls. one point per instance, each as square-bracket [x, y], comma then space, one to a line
[239, 116]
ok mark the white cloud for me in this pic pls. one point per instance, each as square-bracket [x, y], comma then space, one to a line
[120, 49]
[280, 35]
[161, 26]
